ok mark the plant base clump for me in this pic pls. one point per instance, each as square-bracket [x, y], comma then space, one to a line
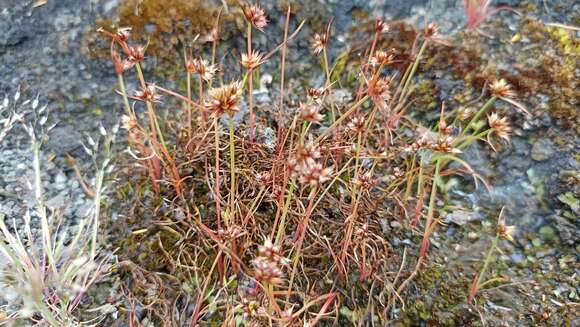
[238, 228]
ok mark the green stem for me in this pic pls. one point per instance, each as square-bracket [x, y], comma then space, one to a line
[413, 71]
[410, 178]
[250, 84]
[232, 166]
[282, 225]
[356, 166]
[473, 138]
[217, 172]
[188, 106]
[300, 240]
[151, 110]
[47, 245]
[475, 118]
[97, 203]
[431, 209]
[487, 260]
[327, 72]
[124, 94]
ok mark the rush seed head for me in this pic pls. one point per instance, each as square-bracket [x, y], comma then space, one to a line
[445, 145]
[444, 128]
[319, 42]
[123, 33]
[252, 60]
[317, 93]
[381, 58]
[464, 113]
[117, 62]
[379, 90]
[256, 16]
[137, 53]
[310, 113]
[271, 252]
[313, 174]
[224, 99]
[500, 88]
[148, 94]
[128, 123]
[431, 30]
[356, 124]
[307, 151]
[381, 27]
[503, 230]
[201, 67]
[267, 271]
[499, 126]
[366, 180]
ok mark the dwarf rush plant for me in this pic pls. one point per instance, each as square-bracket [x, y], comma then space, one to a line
[289, 227]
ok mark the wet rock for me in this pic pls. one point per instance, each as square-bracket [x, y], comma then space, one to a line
[396, 8]
[568, 232]
[64, 139]
[396, 225]
[58, 201]
[547, 233]
[60, 180]
[460, 217]
[542, 150]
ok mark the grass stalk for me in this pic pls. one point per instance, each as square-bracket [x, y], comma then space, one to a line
[188, 106]
[475, 118]
[121, 82]
[430, 211]
[250, 84]
[217, 172]
[412, 72]
[41, 208]
[232, 167]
